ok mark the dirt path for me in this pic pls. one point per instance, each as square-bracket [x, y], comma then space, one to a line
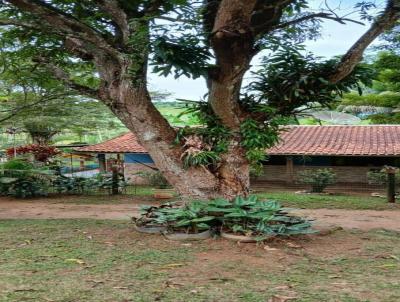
[349, 219]
[41, 210]
[355, 219]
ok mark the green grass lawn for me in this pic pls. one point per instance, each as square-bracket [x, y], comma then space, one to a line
[84, 260]
[317, 201]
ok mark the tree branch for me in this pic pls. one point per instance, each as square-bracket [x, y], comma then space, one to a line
[315, 16]
[266, 16]
[387, 20]
[118, 15]
[152, 7]
[19, 23]
[171, 19]
[63, 76]
[232, 40]
[209, 12]
[16, 111]
[64, 22]
[30, 26]
[78, 48]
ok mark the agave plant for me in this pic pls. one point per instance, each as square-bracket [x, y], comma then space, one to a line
[248, 216]
[192, 217]
[254, 217]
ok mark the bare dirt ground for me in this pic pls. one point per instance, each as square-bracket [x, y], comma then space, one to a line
[348, 219]
[43, 210]
[355, 219]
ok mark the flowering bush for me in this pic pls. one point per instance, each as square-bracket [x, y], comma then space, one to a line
[41, 153]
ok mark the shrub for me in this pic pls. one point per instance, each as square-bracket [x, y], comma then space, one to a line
[5, 183]
[13, 170]
[69, 185]
[80, 185]
[17, 164]
[26, 187]
[25, 184]
[319, 179]
[17, 180]
[380, 177]
[392, 118]
[155, 179]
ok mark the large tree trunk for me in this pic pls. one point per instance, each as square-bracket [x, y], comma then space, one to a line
[230, 180]
[234, 172]
[232, 40]
[41, 137]
[130, 102]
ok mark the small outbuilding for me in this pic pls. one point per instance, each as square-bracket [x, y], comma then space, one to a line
[123, 151]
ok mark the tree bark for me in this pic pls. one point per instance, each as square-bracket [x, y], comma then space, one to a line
[232, 40]
[234, 172]
[131, 103]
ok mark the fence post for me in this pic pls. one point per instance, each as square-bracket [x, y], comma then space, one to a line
[115, 180]
[391, 184]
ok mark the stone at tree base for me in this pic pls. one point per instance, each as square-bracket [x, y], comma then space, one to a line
[188, 237]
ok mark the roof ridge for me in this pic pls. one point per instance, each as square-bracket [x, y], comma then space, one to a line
[82, 149]
[108, 140]
[374, 125]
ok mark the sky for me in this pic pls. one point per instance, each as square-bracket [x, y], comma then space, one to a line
[335, 40]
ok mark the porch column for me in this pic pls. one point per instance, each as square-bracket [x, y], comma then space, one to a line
[82, 165]
[289, 170]
[102, 162]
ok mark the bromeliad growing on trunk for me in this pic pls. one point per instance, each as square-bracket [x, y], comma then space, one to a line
[103, 49]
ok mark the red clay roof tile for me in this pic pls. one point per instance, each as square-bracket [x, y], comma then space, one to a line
[371, 140]
[125, 143]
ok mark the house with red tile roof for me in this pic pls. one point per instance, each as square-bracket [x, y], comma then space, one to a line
[123, 151]
[351, 151]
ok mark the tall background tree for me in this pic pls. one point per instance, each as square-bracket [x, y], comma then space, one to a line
[36, 104]
[381, 102]
[215, 39]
